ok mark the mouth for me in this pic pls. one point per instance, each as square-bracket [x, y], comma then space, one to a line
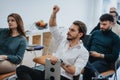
[10, 25]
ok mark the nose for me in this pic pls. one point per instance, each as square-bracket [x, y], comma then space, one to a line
[9, 21]
[101, 26]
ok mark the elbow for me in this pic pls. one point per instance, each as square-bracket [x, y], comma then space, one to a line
[52, 25]
[71, 71]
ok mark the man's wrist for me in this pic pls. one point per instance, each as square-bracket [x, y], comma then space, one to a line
[101, 55]
[61, 61]
[64, 64]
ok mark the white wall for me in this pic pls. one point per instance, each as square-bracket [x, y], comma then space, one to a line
[34, 10]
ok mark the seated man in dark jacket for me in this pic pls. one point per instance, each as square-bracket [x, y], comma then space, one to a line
[115, 15]
[104, 47]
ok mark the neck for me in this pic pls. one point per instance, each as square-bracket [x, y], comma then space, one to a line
[14, 33]
[73, 42]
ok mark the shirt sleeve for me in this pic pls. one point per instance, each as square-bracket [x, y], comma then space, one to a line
[56, 34]
[81, 61]
[3, 29]
[19, 54]
[111, 58]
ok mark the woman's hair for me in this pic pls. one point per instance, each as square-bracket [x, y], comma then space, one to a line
[82, 27]
[19, 21]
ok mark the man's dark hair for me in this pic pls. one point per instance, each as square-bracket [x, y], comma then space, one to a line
[107, 17]
[82, 27]
[114, 12]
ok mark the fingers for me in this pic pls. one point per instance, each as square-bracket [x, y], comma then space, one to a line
[53, 60]
[3, 57]
[55, 9]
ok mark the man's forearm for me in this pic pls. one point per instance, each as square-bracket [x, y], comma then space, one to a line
[68, 68]
[52, 21]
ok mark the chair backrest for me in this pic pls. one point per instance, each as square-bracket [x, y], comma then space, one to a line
[52, 71]
[86, 39]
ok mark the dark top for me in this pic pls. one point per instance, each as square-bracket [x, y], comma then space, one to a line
[107, 43]
[13, 47]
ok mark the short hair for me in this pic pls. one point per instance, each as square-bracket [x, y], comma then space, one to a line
[114, 12]
[81, 26]
[107, 17]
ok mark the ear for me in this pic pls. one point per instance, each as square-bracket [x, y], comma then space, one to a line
[112, 23]
[80, 34]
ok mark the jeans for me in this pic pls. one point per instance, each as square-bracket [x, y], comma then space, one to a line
[95, 67]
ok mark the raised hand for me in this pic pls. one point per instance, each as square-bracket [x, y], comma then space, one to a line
[55, 9]
[52, 21]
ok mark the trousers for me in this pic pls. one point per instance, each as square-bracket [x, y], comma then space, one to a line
[27, 73]
[7, 66]
[95, 67]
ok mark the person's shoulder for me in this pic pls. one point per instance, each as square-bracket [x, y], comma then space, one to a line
[115, 36]
[23, 38]
[118, 22]
[96, 32]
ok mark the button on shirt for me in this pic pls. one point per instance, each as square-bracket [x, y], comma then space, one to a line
[77, 55]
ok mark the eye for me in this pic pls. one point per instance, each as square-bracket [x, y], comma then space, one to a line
[72, 30]
[12, 20]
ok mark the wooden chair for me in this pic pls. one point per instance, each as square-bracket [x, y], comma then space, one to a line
[41, 59]
[33, 48]
[7, 75]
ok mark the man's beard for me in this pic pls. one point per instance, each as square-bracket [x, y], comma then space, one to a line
[68, 37]
[71, 38]
[105, 30]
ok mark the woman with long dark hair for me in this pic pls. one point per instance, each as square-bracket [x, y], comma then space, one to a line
[12, 43]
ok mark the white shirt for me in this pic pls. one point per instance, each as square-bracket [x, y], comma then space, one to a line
[116, 29]
[77, 55]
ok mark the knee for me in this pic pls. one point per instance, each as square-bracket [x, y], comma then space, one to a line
[21, 68]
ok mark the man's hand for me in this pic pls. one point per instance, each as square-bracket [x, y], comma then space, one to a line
[96, 54]
[4, 57]
[52, 21]
[53, 59]
[55, 9]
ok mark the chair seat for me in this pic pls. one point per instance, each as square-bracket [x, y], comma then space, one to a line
[41, 59]
[6, 75]
[108, 73]
[34, 48]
